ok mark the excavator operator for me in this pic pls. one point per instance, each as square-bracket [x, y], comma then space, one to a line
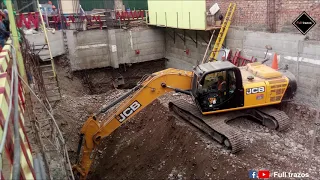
[222, 86]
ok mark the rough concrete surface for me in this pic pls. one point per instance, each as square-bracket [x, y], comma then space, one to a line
[55, 40]
[109, 48]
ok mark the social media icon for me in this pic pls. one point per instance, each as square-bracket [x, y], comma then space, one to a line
[264, 174]
[253, 174]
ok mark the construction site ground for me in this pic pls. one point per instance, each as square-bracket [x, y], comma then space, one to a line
[155, 145]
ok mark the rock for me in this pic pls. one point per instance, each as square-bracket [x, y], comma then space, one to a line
[311, 132]
[287, 142]
[196, 143]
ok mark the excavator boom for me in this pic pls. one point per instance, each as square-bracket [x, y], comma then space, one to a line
[131, 103]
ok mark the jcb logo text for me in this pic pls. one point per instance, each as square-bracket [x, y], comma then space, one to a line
[127, 112]
[255, 90]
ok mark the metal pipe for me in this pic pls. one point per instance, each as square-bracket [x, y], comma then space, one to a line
[68, 161]
[42, 170]
[16, 158]
[59, 11]
[104, 109]
[37, 168]
[26, 6]
[205, 54]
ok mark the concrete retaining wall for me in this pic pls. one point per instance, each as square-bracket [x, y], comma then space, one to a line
[302, 56]
[103, 48]
[55, 40]
[176, 49]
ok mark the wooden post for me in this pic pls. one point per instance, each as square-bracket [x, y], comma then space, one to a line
[189, 21]
[165, 15]
[177, 20]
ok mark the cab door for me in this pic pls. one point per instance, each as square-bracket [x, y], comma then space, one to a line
[220, 89]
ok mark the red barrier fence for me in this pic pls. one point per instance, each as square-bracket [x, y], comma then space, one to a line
[130, 15]
[32, 19]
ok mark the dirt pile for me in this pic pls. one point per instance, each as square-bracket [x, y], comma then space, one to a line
[157, 146]
[154, 145]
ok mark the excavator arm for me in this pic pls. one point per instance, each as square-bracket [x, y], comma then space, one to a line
[132, 102]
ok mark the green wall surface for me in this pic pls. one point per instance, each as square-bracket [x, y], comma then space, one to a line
[136, 4]
[180, 14]
[88, 5]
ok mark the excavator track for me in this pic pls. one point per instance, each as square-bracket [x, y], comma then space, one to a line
[282, 119]
[216, 125]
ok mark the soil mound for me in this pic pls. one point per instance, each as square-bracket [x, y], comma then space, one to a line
[155, 145]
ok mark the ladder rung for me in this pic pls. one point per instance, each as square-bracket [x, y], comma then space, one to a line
[47, 71]
[43, 66]
[44, 48]
[54, 95]
[40, 44]
[51, 83]
[44, 54]
[48, 77]
[56, 88]
[48, 59]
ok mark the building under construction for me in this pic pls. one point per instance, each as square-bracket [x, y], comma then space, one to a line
[184, 89]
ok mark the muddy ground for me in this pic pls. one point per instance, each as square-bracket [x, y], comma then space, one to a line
[155, 145]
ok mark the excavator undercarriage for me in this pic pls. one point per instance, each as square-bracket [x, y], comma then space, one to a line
[216, 125]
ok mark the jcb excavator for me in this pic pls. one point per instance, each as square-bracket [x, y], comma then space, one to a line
[221, 92]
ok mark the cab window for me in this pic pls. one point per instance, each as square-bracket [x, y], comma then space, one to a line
[218, 87]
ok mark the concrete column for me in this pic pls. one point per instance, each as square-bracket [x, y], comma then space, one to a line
[118, 5]
[72, 43]
[114, 60]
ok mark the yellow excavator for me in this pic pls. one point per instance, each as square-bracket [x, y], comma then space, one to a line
[221, 92]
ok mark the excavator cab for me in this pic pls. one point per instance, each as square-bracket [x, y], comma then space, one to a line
[217, 85]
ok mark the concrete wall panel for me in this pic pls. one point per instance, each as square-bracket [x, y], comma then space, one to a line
[91, 37]
[55, 40]
[102, 48]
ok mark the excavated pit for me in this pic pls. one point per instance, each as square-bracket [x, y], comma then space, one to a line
[155, 145]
